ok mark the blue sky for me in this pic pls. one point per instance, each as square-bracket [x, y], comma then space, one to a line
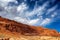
[44, 13]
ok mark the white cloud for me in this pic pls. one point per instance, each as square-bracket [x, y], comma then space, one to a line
[10, 12]
[8, 0]
[51, 9]
[26, 21]
[54, 14]
[21, 14]
[22, 20]
[21, 7]
[5, 2]
[38, 10]
[34, 21]
[46, 21]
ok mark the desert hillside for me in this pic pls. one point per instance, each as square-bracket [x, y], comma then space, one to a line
[17, 31]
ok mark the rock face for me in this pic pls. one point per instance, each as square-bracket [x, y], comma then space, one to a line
[13, 28]
[24, 29]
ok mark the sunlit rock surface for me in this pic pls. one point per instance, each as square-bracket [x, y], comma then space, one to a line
[13, 30]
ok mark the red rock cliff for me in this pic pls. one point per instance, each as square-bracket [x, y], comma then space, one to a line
[23, 29]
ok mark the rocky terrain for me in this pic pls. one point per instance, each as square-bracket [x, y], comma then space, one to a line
[13, 30]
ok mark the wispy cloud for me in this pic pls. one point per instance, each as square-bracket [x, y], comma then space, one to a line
[5, 2]
[51, 10]
[54, 14]
[34, 21]
[46, 21]
[40, 10]
[22, 20]
[22, 7]
[21, 13]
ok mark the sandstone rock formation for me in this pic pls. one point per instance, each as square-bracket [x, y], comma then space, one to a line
[11, 28]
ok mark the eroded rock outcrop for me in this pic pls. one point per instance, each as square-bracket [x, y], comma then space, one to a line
[23, 29]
